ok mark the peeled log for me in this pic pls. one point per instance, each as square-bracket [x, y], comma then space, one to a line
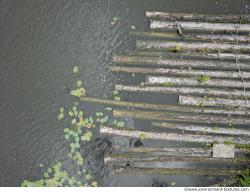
[202, 128]
[128, 170]
[177, 63]
[191, 46]
[191, 118]
[176, 81]
[200, 26]
[214, 102]
[174, 108]
[198, 17]
[232, 93]
[173, 136]
[182, 72]
[131, 158]
[204, 37]
[230, 56]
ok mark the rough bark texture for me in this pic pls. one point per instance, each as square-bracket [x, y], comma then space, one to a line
[124, 158]
[173, 136]
[119, 170]
[182, 72]
[203, 37]
[198, 17]
[203, 128]
[213, 102]
[179, 63]
[212, 92]
[160, 80]
[200, 26]
[193, 46]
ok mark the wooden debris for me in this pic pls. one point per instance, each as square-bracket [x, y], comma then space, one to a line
[179, 81]
[182, 72]
[202, 128]
[174, 108]
[177, 46]
[128, 170]
[173, 136]
[200, 26]
[195, 37]
[213, 101]
[198, 17]
[211, 92]
[179, 63]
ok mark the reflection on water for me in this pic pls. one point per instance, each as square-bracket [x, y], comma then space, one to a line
[40, 42]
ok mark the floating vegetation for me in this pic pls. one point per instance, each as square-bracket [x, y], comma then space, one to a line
[244, 178]
[203, 78]
[75, 69]
[116, 95]
[114, 20]
[133, 27]
[119, 124]
[79, 83]
[168, 84]
[78, 92]
[142, 136]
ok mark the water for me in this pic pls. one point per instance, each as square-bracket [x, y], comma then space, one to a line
[40, 42]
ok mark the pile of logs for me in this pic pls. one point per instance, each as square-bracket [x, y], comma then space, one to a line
[205, 60]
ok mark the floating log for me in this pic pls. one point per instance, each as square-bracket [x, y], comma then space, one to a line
[173, 136]
[199, 17]
[129, 170]
[191, 118]
[191, 46]
[177, 63]
[232, 93]
[185, 151]
[194, 37]
[230, 56]
[200, 26]
[181, 72]
[131, 158]
[176, 81]
[174, 108]
[226, 183]
[213, 102]
[202, 128]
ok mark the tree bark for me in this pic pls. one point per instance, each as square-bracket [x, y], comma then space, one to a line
[198, 17]
[179, 81]
[214, 102]
[200, 26]
[191, 46]
[202, 128]
[173, 136]
[210, 92]
[182, 72]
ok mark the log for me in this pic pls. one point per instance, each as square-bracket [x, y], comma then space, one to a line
[202, 128]
[191, 118]
[223, 56]
[190, 138]
[182, 72]
[232, 93]
[199, 26]
[124, 158]
[174, 108]
[214, 102]
[177, 63]
[128, 170]
[198, 17]
[177, 46]
[194, 37]
[176, 81]
[185, 151]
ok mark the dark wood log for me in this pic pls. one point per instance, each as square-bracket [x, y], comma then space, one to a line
[177, 63]
[173, 108]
